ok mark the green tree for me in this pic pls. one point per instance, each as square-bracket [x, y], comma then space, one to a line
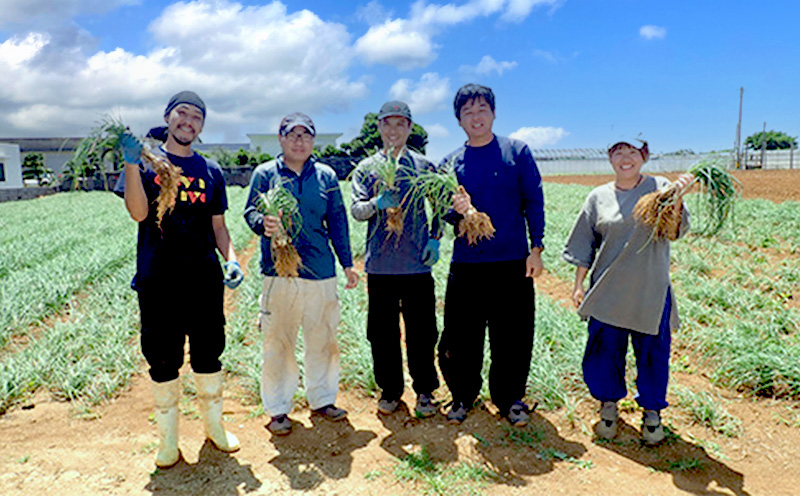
[33, 167]
[774, 141]
[243, 158]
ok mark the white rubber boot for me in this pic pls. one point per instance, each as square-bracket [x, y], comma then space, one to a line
[166, 396]
[209, 394]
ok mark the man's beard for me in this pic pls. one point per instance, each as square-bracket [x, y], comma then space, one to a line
[182, 142]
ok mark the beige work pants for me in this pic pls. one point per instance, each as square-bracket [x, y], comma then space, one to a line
[287, 304]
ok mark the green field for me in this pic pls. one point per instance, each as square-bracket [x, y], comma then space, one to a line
[69, 320]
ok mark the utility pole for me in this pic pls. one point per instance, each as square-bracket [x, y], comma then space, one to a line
[763, 144]
[739, 131]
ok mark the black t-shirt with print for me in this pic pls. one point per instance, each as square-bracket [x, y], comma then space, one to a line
[183, 249]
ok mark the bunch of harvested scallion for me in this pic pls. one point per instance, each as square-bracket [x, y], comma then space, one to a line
[439, 187]
[661, 210]
[279, 202]
[168, 178]
[386, 168]
[105, 139]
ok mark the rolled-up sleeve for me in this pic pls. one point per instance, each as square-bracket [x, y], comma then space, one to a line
[581, 246]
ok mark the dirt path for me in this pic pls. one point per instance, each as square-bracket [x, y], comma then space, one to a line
[45, 450]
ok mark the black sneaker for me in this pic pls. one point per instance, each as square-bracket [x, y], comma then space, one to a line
[426, 407]
[457, 413]
[518, 414]
[387, 407]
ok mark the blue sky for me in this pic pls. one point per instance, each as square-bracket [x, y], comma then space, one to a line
[566, 73]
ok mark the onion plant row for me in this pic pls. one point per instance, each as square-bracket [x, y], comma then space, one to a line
[55, 247]
[91, 348]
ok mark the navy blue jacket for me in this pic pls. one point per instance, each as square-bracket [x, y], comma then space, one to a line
[322, 209]
[503, 181]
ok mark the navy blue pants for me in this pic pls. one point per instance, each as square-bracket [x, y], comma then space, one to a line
[413, 295]
[604, 362]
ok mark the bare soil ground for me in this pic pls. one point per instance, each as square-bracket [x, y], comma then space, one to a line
[45, 449]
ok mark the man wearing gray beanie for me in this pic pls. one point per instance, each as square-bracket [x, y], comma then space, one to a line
[178, 278]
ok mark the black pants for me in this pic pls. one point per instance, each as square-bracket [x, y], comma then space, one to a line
[172, 311]
[412, 295]
[499, 295]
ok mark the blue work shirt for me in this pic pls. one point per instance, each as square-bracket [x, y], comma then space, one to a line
[387, 253]
[321, 207]
[503, 181]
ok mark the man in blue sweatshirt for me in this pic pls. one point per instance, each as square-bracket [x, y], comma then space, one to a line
[398, 266]
[491, 282]
[310, 300]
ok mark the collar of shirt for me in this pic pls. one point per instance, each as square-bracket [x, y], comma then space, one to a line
[284, 169]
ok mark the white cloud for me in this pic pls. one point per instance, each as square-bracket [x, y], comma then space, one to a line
[373, 13]
[650, 32]
[427, 95]
[537, 137]
[15, 51]
[396, 43]
[42, 13]
[487, 66]
[250, 64]
[436, 131]
[517, 10]
[408, 43]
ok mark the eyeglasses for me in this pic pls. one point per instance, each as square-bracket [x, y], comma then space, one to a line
[304, 137]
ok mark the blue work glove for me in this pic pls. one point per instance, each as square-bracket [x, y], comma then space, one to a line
[387, 199]
[131, 149]
[430, 254]
[233, 274]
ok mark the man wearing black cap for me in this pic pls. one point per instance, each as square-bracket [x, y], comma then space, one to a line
[310, 300]
[178, 276]
[398, 267]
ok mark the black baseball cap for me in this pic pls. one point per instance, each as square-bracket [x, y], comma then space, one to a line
[296, 119]
[395, 108]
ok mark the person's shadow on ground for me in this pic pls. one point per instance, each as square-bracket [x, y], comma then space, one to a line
[692, 469]
[308, 456]
[215, 472]
[484, 440]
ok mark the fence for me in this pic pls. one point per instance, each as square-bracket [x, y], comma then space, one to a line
[773, 159]
[600, 165]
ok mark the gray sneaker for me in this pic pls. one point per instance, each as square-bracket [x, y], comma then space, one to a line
[425, 406]
[332, 412]
[607, 427]
[457, 413]
[280, 425]
[652, 430]
[387, 407]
